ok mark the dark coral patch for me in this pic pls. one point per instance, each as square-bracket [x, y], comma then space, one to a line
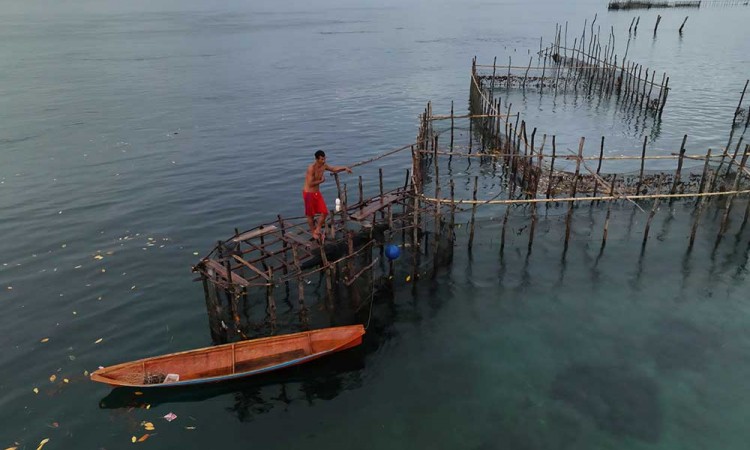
[619, 400]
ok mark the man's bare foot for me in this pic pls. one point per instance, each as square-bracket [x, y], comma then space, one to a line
[316, 235]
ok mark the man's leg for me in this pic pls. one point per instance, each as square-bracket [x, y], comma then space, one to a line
[321, 221]
[311, 224]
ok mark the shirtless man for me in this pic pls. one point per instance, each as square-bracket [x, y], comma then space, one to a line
[314, 203]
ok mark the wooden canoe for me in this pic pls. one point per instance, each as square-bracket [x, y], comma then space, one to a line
[230, 361]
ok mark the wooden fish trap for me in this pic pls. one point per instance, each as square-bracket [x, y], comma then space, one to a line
[589, 66]
[509, 169]
[246, 275]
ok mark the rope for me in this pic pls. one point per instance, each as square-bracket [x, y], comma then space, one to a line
[383, 155]
[372, 300]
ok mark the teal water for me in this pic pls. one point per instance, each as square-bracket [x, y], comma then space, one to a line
[144, 132]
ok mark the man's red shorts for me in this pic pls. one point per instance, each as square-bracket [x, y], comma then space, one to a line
[314, 203]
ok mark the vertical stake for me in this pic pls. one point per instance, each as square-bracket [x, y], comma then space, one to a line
[473, 212]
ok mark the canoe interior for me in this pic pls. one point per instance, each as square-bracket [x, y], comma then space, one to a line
[230, 359]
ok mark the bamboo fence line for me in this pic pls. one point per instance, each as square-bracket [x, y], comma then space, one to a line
[626, 5]
[589, 65]
[635, 4]
[529, 176]
[584, 199]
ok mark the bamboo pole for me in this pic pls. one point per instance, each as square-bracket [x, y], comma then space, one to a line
[552, 168]
[702, 184]
[652, 213]
[361, 195]
[453, 207]
[271, 302]
[677, 174]
[730, 199]
[664, 98]
[573, 190]
[507, 81]
[471, 133]
[536, 189]
[380, 179]
[526, 75]
[492, 84]
[734, 158]
[473, 213]
[609, 212]
[598, 169]
[342, 197]
[683, 24]
[650, 89]
[698, 212]
[300, 281]
[658, 19]
[452, 127]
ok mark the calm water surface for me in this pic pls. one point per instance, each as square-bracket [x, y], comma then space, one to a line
[143, 132]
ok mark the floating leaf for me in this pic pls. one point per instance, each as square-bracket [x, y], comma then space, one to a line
[190, 428]
[36, 390]
[53, 377]
[65, 380]
[195, 253]
[143, 438]
[98, 340]
[44, 340]
[133, 439]
[12, 448]
[408, 278]
[148, 406]
[138, 393]
[55, 425]
[85, 373]
[149, 426]
[170, 416]
[41, 444]
[98, 257]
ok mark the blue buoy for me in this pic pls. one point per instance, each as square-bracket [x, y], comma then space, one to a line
[392, 251]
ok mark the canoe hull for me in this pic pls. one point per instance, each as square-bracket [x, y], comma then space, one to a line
[230, 361]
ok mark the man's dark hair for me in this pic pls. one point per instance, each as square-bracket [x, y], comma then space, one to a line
[320, 154]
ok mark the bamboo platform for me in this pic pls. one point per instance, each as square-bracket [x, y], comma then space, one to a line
[256, 257]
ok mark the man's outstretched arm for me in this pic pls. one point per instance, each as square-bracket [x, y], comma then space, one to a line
[337, 169]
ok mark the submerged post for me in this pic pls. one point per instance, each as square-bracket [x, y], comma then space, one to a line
[473, 212]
